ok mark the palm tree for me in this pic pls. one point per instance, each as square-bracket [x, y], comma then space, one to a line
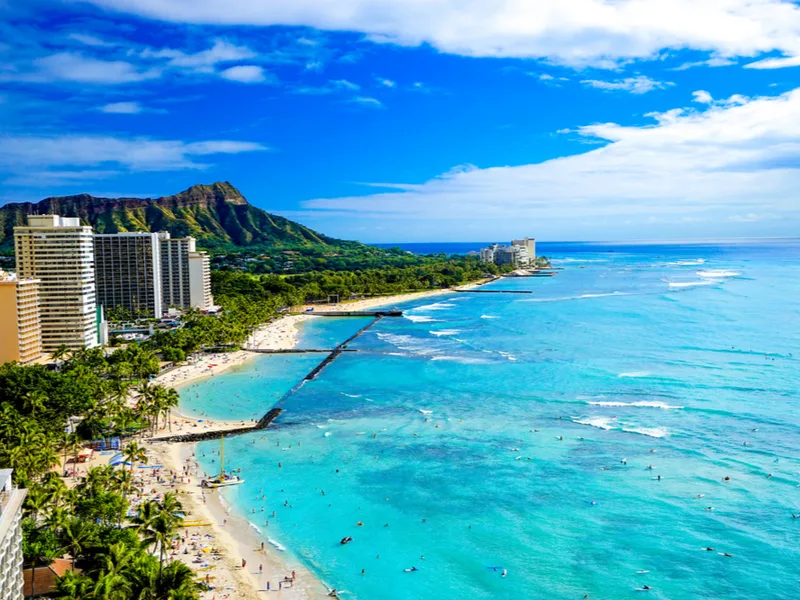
[74, 586]
[33, 401]
[134, 453]
[171, 400]
[74, 534]
[71, 444]
[60, 353]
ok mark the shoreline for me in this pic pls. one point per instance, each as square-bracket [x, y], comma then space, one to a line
[221, 518]
[219, 526]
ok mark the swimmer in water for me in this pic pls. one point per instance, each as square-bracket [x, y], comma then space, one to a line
[708, 549]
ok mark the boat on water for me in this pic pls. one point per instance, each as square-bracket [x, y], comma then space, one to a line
[223, 479]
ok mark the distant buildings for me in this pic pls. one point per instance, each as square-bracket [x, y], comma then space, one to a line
[59, 252]
[128, 272]
[200, 281]
[520, 253]
[11, 498]
[185, 274]
[19, 319]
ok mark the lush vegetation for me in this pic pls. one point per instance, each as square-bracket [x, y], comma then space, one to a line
[89, 522]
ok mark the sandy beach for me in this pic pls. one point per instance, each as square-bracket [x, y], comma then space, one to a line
[216, 521]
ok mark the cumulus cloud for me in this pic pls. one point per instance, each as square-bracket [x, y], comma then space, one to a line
[102, 154]
[385, 82]
[640, 84]
[571, 32]
[245, 74]
[736, 157]
[702, 96]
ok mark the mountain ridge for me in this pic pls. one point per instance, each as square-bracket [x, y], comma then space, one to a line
[218, 215]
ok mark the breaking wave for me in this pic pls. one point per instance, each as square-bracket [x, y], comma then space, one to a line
[641, 403]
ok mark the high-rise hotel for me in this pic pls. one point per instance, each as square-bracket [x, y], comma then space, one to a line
[59, 252]
[185, 274]
[128, 272]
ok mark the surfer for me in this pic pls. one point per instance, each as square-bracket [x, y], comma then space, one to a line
[411, 570]
[504, 573]
[726, 554]
[708, 549]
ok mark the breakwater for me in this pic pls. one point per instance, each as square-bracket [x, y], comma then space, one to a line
[213, 434]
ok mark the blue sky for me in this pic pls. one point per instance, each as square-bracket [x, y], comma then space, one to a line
[383, 120]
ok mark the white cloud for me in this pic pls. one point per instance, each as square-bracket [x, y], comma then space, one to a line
[122, 108]
[367, 101]
[102, 154]
[775, 63]
[702, 96]
[245, 74]
[205, 60]
[345, 85]
[385, 82]
[73, 67]
[571, 32]
[714, 61]
[90, 40]
[640, 84]
[735, 157]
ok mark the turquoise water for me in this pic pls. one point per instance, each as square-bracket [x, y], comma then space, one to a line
[447, 426]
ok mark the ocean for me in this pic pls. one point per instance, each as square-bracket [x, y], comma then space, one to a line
[591, 437]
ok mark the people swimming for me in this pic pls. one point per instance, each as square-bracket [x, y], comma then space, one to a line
[411, 570]
[346, 540]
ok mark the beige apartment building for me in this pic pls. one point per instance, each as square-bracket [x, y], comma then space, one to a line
[59, 252]
[21, 338]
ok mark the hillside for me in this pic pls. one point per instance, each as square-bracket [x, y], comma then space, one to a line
[217, 215]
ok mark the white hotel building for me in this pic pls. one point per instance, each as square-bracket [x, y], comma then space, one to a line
[11, 499]
[59, 252]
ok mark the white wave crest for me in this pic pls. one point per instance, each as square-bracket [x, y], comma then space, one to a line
[606, 423]
[420, 318]
[718, 273]
[424, 412]
[277, 545]
[435, 306]
[634, 374]
[676, 285]
[656, 432]
[461, 359]
[408, 343]
[351, 395]
[641, 403]
[442, 332]
[688, 263]
[489, 317]
[581, 297]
